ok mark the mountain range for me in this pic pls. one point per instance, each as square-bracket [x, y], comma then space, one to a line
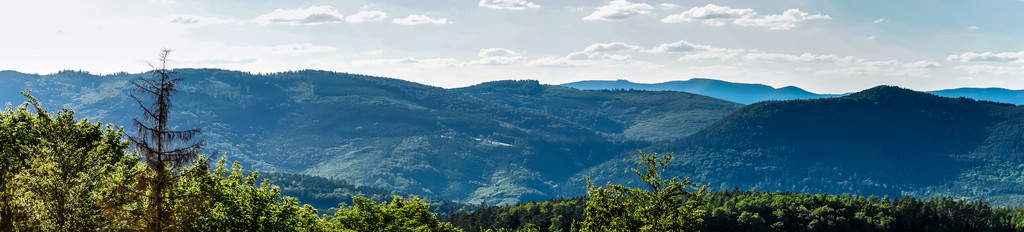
[389, 133]
[752, 93]
[512, 141]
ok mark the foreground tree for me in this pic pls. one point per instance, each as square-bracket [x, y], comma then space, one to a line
[53, 167]
[400, 215]
[669, 205]
[164, 150]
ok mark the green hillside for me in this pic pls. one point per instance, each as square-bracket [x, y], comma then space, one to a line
[884, 140]
[371, 131]
[633, 114]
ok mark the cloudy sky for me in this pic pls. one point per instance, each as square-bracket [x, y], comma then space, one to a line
[827, 46]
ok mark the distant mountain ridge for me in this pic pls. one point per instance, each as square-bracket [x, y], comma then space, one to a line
[751, 93]
[729, 91]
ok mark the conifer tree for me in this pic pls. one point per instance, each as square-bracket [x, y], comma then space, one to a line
[163, 149]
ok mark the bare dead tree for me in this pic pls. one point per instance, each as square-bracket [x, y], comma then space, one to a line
[164, 150]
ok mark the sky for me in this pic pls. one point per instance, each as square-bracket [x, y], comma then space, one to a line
[826, 46]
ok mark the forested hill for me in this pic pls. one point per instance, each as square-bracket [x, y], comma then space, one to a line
[635, 114]
[884, 140]
[372, 131]
[514, 141]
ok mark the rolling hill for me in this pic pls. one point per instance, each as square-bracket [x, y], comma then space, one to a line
[512, 141]
[636, 115]
[881, 141]
[381, 132]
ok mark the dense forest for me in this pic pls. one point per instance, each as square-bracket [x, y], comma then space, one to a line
[61, 173]
[881, 141]
[507, 142]
[738, 210]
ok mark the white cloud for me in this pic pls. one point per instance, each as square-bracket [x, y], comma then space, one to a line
[508, 4]
[610, 47]
[668, 6]
[715, 15]
[366, 16]
[498, 56]
[805, 57]
[619, 10]
[973, 28]
[696, 52]
[922, 64]
[491, 52]
[711, 14]
[197, 21]
[679, 46]
[374, 52]
[310, 16]
[988, 57]
[880, 20]
[989, 70]
[786, 20]
[416, 19]
[595, 54]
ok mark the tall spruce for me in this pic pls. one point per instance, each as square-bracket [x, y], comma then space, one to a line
[165, 150]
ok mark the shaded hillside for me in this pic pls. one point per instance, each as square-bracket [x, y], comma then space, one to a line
[372, 131]
[735, 92]
[643, 115]
[884, 140]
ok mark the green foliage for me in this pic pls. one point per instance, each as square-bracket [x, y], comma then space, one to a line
[233, 201]
[550, 215]
[61, 174]
[400, 215]
[371, 131]
[52, 166]
[736, 210]
[667, 206]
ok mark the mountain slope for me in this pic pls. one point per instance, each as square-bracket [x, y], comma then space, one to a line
[884, 140]
[636, 115]
[735, 92]
[372, 131]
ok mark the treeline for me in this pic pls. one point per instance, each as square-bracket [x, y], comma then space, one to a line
[325, 193]
[62, 174]
[738, 210]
